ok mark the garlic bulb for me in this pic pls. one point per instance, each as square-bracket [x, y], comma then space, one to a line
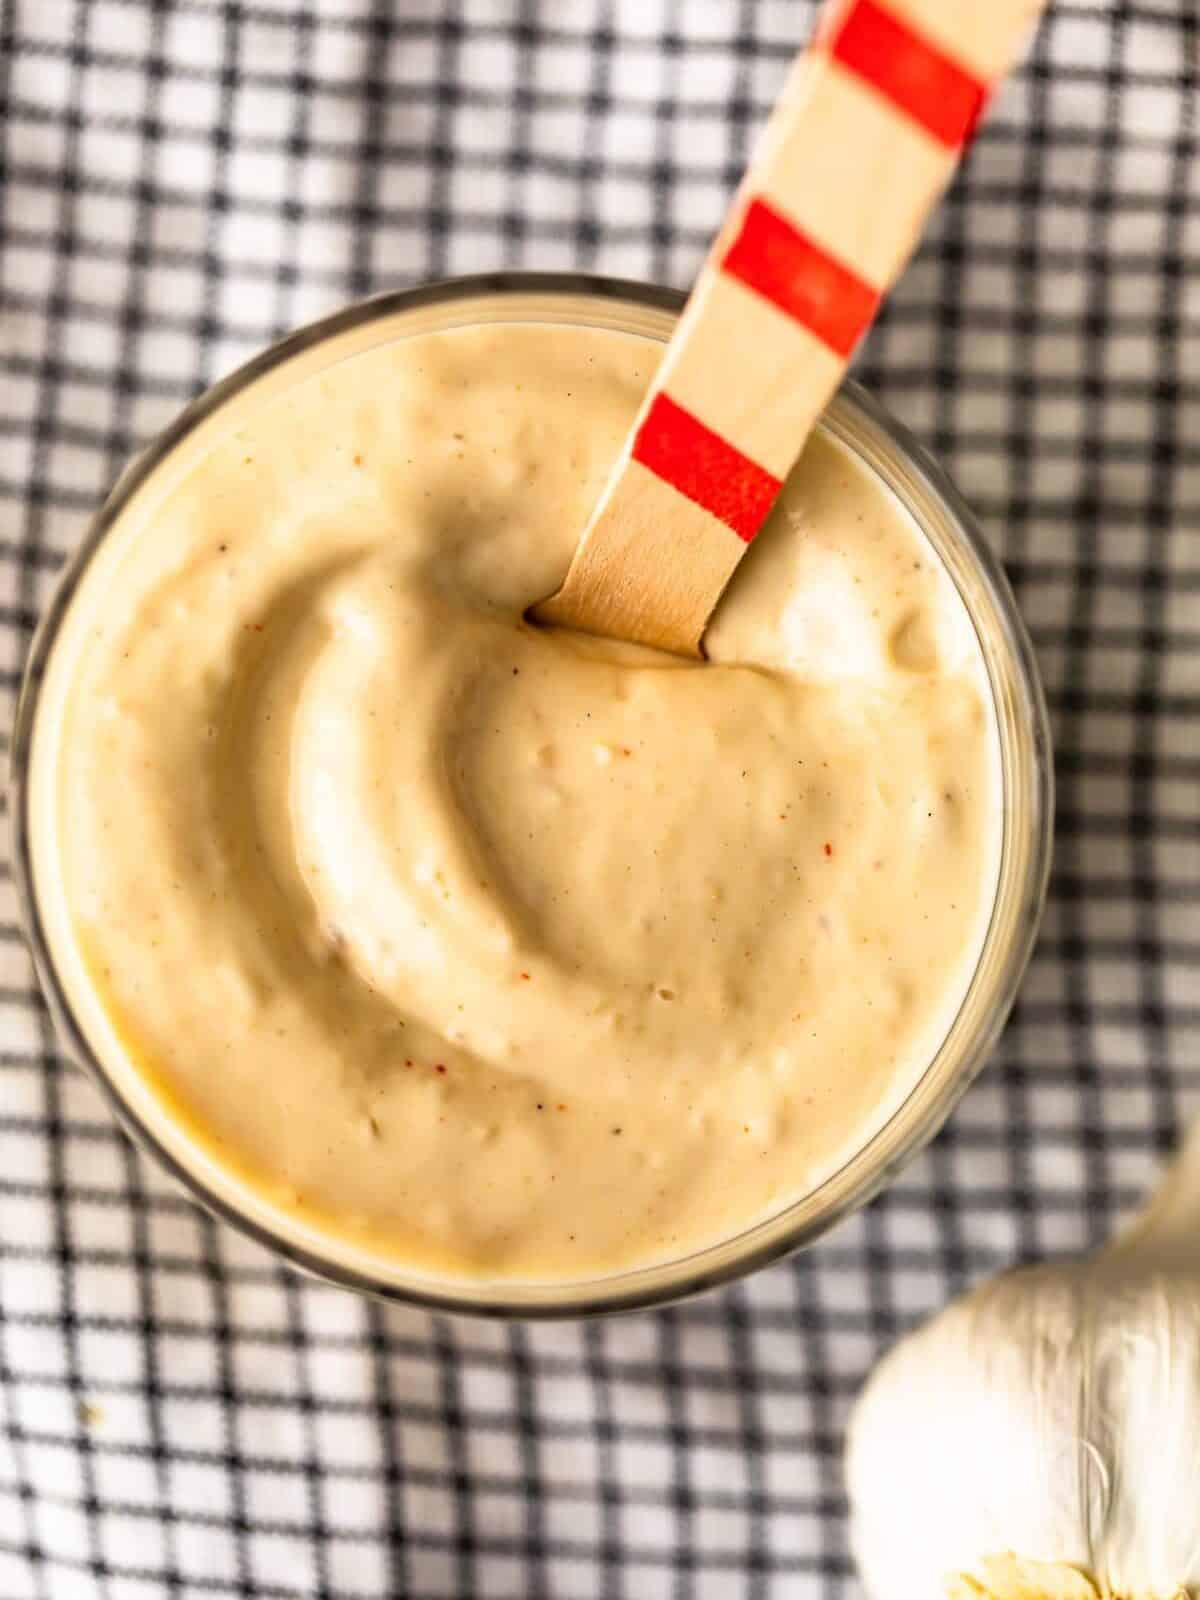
[1040, 1438]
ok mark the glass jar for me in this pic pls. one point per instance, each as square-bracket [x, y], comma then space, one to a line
[853, 418]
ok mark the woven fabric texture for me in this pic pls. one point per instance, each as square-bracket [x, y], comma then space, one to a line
[184, 181]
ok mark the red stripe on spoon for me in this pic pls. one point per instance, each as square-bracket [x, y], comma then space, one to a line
[917, 77]
[786, 267]
[704, 467]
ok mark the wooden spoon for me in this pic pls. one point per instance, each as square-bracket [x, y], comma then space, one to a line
[867, 134]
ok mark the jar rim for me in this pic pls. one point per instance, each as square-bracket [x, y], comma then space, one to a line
[1028, 804]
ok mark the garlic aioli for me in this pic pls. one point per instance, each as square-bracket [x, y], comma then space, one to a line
[508, 954]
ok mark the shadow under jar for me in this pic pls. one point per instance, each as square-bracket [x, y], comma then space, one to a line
[286, 805]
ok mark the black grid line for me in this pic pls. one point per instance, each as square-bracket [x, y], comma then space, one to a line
[1166, 454]
[299, 148]
[230, 1455]
[1081, 620]
[387, 1413]
[372, 153]
[451, 1418]
[529, 1424]
[608, 1481]
[448, 35]
[316, 1524]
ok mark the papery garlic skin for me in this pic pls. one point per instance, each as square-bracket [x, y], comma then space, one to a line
[1051, 1416]
[1007, 1578]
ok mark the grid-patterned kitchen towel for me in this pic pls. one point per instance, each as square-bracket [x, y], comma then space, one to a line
[181, 182]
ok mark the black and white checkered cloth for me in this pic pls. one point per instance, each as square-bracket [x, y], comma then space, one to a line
[182, 182]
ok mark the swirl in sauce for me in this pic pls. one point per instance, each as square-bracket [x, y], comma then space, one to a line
[513, 954]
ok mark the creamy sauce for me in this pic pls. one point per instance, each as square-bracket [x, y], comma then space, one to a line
[512, 954]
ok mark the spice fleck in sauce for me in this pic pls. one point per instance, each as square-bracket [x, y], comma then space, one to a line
[503, 953]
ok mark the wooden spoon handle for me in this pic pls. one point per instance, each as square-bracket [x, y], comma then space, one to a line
[864, 139]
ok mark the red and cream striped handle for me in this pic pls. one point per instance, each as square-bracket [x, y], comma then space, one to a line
[868, 132]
